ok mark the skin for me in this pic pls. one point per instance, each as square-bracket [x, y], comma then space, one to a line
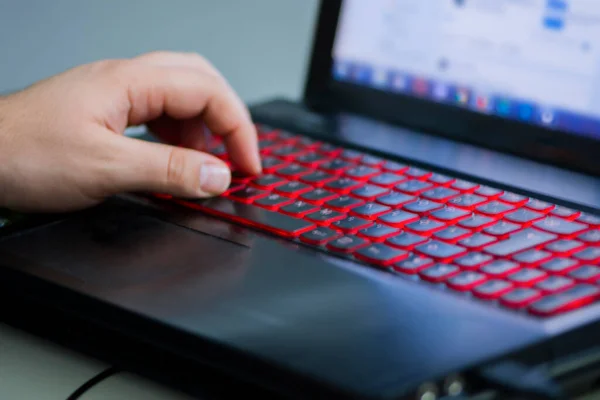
[62, 145]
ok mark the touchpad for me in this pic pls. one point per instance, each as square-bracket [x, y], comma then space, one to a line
[109, 250]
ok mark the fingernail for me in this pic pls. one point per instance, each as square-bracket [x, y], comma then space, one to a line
[214, 179]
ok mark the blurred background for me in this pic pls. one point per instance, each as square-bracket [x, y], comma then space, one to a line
[261, 46]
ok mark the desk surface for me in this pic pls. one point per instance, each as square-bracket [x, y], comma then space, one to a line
[262, 48]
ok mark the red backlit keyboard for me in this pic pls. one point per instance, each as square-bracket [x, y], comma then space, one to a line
[519, 252]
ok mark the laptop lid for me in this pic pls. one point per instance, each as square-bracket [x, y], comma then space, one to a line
[515, 76]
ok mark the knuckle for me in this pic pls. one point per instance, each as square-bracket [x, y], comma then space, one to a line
[177, 168]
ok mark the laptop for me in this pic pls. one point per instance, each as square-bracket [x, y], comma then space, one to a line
[427, 223]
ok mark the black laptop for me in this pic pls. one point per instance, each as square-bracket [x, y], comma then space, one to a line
[427, 223]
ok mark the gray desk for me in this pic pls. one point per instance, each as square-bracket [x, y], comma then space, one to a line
[261, 46]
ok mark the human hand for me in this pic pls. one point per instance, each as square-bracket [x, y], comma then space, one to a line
[62, 145]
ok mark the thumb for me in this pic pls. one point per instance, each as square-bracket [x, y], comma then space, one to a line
[144, 166]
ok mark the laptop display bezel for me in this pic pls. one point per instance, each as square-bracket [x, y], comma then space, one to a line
[322, 93]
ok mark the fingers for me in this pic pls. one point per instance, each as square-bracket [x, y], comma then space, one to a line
[143, 166]
[184, 92]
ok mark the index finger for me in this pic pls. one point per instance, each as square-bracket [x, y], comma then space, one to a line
[186, 93]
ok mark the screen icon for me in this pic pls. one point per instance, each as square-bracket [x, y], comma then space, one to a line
[482, 102]
[420, 86]
[440, 91]
[525, 112]
[380, 77]
[547, 116]
[462, 96]
[503, 107]
[399, 82]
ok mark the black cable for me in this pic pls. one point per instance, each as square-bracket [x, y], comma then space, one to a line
[92, 382]
[518, 379]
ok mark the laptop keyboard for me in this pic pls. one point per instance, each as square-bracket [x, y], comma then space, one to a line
[494, 246]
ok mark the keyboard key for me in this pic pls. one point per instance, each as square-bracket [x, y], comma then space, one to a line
[539, 206]
[440, 250]
[273, 222]
[492, 289]
[268, 181]
[450, 214]
[271, 164]
[592, 220]
[343, 185]
[325, 216]
[351, 224]
[524, 216]
[318, 196]
[589, 255]
[395, 199]
[513, 198]
[247, 194]
[329, 150]
[500, 268]
[440, 194]
[554, 284]
[392, 166]
[369, 192]
[361, 172]
[378, 232]
[311, 159]
[351, 155]
[319, 236]
[370, 210]
[299, 208]
[468, 201]
[590, 237]
[380, 254]
[564, 212]
[413, 264]
[559, 265]
[387, 179]
[293, 171]
[473, 260]
[336, 166]
[495, 208]
[477, 241]
[406, 240]
[527, 277]
[477, 222]
[466, 280]
[346, 244]
[317, 178]
[413, 187]
[452, 234]
[439, 272]
[532, 257]
[441, 179]
[565, 246]
[502, 228]
[586, 273]
[273, 201]
[489, 192]
[520, 297]
[372, 160]
[293, 189]
[559, 226]
[425, 226]
[464, 186]
[417, 173]
[344, 203]
[573, 298]
[398, 218]
[288, 152]
[522, 240]
[422, 206]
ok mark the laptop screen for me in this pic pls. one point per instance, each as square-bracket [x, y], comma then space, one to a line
[535, 61]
